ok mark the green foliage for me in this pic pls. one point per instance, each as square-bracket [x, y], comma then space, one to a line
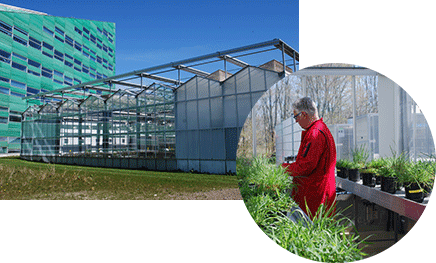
[326, 240]
[360, 157]
[268, 201]
[420, 172]
[343, 163]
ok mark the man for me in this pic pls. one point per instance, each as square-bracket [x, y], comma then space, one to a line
[314, 168]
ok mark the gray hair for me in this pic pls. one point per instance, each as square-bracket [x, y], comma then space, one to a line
[307, 105]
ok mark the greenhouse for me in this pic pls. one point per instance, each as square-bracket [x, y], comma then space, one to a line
[184, 115]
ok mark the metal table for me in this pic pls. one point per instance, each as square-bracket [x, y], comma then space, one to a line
[394, 202]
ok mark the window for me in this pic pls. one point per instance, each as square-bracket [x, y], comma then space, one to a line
[68, 63]
[33, 63]
[104, 48]
[19, 95]
[18, 84]
[85, 37]
[92, 58]
[59, 38]
[60, 31]
[68, 79]
[85, 53]
[99, 59]
[48, 31]
[78, 69]
[69, 40]
[5, 28]
[99, 46]
[86, 30]
[5, 56]
[4, 90]
[33, 72]
[68, 56]
[48, 73]
[19, 56]
[78, 46]
[47, 54]
[46, 45]
[92, 38]
[20, 40]
[85, 69]
[59, 74]
[77, 62]
[18, 66]
[3, 120]
[15, 139]
[14, 116]
[57, 81]
[32, 90]
[110, 40]
[4, 79]
[4, 108]
[34, 43]
[77, 81]
[78, 30]
[20, 30]
[58, 55]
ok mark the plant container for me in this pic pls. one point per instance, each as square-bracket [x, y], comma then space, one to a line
[342, 172]
[427, 190]
[377, 180]
[414, 192]
[353, 175]
[389, 184]
[368, 179]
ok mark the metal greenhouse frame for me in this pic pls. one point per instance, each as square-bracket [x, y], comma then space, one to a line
[162, 124]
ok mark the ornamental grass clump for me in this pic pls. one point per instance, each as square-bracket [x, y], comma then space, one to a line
[265, 189]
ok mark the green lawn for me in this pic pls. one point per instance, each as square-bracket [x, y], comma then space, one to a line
[20, 179]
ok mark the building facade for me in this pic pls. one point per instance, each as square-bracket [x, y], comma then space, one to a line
[40, 53]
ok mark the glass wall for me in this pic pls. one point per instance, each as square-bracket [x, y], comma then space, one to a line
[122, 125]
[363, 109]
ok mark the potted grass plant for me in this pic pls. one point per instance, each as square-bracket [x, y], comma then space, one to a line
[368, 176]
[360, 157]
[415, 177]
[388, 177]
[342, 166]
[375, 165]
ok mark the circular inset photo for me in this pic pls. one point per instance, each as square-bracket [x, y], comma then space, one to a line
[336, 163]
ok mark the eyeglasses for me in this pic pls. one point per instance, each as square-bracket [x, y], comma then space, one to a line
[295, 116]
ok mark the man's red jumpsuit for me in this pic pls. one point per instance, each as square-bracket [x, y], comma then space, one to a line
[314, 169]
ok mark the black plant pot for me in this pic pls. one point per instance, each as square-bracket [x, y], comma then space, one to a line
[353, 175]
[342, 172]
[368, 179]
[377, 180]
[414, 192]
[389, 184]
[427, 190]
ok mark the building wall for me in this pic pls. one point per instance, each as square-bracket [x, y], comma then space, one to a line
[210, 115]
[41, 53]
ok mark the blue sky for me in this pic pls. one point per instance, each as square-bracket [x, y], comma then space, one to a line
[150, 33]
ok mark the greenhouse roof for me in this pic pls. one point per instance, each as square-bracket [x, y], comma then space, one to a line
[214, 66]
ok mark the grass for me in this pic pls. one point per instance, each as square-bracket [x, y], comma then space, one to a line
[265, 190]
[24, 180]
